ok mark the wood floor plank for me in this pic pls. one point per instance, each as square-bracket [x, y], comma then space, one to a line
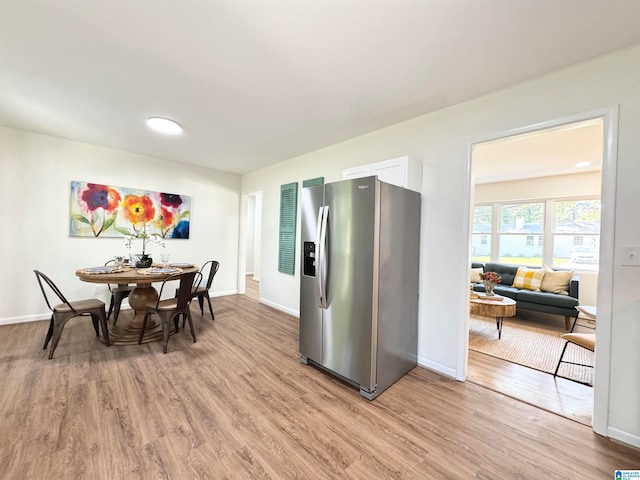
[238, 404]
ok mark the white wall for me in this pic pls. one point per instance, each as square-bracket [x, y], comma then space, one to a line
[560, 186]
[441, 141]
[36, 172]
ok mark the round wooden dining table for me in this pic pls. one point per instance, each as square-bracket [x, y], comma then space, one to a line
[143, 295]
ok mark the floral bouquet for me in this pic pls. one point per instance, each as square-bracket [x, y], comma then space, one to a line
[491, 277]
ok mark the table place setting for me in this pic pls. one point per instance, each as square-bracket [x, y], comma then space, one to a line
[103, 269]
[158, 270]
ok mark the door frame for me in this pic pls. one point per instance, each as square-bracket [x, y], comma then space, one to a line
[242, 236]
[609, 115]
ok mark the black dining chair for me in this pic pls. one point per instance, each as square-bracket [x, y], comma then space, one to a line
[209, 270]
[172, 308]
[62, 313]
[118, 293]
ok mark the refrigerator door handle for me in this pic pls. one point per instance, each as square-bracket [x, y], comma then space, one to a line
[324, 247]
[319, 258]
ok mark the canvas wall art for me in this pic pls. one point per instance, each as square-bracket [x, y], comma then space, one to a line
[108, 211]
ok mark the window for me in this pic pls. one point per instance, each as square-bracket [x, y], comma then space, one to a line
[519, 222]
[576, 236]
[481, 233]
[560, 233]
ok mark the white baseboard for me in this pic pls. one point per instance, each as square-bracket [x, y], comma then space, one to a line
[294, 313]
[225, 293]
[25, 319]
[438, 368]
[624, 437]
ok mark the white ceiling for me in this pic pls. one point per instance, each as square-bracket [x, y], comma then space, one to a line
[256, 82]
[542, 153]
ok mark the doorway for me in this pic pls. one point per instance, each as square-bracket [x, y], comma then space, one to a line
[250, 245]
[540, 388]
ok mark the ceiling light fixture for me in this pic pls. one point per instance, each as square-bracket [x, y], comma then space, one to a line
[164, 125]
[582, 164]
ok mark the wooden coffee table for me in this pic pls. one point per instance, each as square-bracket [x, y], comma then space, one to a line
[500, 307]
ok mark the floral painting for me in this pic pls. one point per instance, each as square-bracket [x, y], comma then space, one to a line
[108, 211]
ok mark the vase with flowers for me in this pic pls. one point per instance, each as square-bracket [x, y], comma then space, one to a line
[490, 280]
[139, 210]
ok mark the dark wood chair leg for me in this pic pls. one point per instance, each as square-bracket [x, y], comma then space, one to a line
[110, 309]
[95, 321]
[116, 311]
[165, 334]
[193, 332]
[144, 325]
[201, 303]
[105, 329]
[49, 334]
[210, 309]
[58, 326]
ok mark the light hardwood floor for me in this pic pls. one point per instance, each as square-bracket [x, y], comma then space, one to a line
[238, 404]
[252, 288]
[558, 395]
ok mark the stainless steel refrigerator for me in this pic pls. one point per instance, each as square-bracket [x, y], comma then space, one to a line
[359, 281]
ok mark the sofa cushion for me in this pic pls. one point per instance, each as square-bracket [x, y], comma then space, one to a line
[506, 291]
[545, 298]
[506, 271]
[555, 281]
[503, 290]
[528, 278]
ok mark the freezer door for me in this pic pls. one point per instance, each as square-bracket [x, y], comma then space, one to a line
[348, 323]
[310, 311]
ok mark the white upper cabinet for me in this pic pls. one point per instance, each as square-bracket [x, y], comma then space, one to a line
[356, 172]
[402, 171]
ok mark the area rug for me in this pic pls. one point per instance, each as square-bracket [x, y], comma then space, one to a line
[530, 346]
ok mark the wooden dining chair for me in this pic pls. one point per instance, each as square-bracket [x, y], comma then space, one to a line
[172, 308]
[118, 293]
[209, 269]
[62, 313]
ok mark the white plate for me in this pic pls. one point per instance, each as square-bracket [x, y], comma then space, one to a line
[99, 269]
[180, 265]
[158, 271]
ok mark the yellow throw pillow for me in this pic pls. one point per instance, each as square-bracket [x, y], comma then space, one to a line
[529, 278]
[556, 281]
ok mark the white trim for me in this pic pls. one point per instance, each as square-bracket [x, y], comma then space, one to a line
[46, 316]
[462, 358]
[436, 367]
[277, 306]
[25, 319]
[224, 293]
[602, 374]
[623, 436]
